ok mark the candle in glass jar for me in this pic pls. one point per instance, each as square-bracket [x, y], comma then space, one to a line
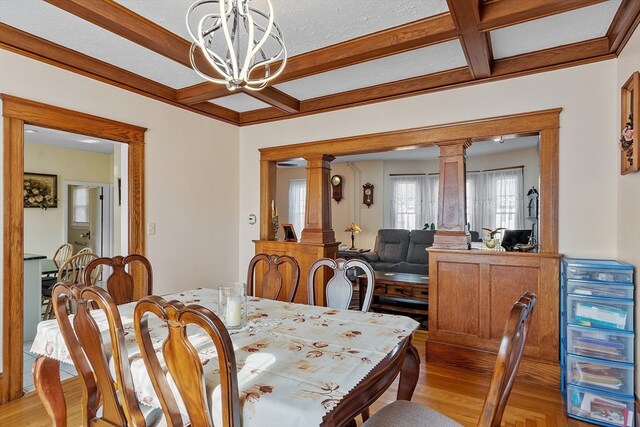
[233, 315]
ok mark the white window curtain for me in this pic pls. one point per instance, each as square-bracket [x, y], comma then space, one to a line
[297, 204]
[502, 199]
[413, 201]
[80, 205]
[431, 199]
[474, 202]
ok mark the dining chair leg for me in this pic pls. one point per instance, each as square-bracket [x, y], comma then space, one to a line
[365, 415]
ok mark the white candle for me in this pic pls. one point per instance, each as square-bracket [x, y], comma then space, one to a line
[233, 314]
[273, 209]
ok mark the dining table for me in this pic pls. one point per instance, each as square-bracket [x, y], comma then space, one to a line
[298, 364]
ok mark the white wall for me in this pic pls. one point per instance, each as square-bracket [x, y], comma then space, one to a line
[191, 175]
[628, 186]
[588, 160]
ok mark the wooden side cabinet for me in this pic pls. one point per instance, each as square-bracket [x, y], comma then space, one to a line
[470, 295]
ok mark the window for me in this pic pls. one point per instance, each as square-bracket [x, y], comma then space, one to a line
[495, 199]
[413, 201]
[80, 205]
[297, 203]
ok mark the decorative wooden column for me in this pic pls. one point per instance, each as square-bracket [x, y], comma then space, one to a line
[267, 194]
[452, 198]
[317, 219]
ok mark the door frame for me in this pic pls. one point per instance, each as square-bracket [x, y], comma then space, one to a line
[16, 113]
[107, 212]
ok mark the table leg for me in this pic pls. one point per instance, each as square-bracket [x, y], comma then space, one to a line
[409, 373]
[46, 377]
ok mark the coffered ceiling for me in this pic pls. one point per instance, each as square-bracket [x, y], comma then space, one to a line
[341, 53]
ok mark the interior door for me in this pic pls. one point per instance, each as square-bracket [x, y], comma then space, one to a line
[95, 220]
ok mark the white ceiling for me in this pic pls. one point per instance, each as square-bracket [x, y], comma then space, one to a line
[307, 25]
[56, 138]
[570, 27]
[478, 148]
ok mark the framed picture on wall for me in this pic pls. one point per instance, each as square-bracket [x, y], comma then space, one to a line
[289, 233]
[40, 190]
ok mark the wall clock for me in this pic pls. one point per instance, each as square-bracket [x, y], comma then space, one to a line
[367, 194]
[336, 186]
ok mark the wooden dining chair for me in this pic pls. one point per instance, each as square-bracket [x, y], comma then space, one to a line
[63, 253]
[183, 362]
[120, 283]
[402, 413]
[108, 394]
[271, 285]
[71, 271]
[339, 290]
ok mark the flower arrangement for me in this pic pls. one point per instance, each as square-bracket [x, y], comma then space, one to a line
[626, 139]
[38, 194]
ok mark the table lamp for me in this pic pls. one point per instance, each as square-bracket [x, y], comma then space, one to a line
[353, 228]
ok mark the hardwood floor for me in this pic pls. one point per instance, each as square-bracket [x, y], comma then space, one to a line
[452, 391]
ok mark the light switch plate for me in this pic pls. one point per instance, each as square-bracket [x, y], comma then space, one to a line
[151, 228]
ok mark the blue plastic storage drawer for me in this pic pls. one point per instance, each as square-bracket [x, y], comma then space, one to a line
[601, 408]
[602, 375]
[600, 312]
[601, 343]
[598, 270]
[597, 289]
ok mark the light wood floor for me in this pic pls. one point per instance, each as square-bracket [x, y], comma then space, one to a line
[454, 392]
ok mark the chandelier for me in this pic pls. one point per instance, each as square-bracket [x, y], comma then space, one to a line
[239, 42]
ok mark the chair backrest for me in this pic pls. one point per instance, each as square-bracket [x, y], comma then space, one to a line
[271, 284]
[509, 356]
[183, 362]
[73, 269]
[339, 290]
[85, 251]
[120, 284]
[62, 254]
[90, 354]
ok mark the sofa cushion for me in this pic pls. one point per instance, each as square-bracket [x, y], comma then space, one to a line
[386, 266]
[419, 240]
[392, 245]
[413, 268]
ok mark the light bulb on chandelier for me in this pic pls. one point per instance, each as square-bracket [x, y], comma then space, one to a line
[240, 43]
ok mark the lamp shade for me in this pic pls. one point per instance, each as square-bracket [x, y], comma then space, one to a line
[353, 227]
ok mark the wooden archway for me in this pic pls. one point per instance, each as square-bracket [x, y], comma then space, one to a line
[16, 113]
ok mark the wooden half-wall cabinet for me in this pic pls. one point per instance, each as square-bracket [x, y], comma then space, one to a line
[306, 254]
[470, 295]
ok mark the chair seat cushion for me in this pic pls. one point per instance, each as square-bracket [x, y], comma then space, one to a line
[402, 413]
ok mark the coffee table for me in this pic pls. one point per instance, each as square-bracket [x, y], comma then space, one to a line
[391, 289]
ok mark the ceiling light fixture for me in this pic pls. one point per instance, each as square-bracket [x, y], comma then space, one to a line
[30, 131]
[239, 42]
[89, 141]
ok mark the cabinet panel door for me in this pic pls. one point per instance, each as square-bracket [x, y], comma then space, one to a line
[459, 291]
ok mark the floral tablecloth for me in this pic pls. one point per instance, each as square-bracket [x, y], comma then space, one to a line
[295, 361]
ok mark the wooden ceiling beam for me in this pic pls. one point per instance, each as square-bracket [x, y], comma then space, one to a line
[623, 25]
[276, 98]
[121, 21]
[26, 44]
[503, 13]
[367, 95]
[425, 32]
[546, 60]
[475, 43]
[552, 58]
[421, 33]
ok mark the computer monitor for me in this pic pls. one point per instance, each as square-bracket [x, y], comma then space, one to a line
[512, 237]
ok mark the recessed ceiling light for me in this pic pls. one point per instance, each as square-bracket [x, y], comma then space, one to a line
[30, 131]
[497, 138]
[89, 141]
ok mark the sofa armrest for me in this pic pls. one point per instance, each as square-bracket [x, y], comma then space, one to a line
[369, 256]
